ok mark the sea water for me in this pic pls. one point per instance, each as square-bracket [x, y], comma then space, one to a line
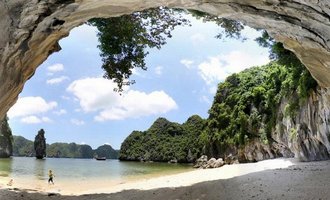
[84, 169]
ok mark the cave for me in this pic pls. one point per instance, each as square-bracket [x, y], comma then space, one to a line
[30, 30]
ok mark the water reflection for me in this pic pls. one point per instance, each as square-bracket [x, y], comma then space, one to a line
[6, 167]
[27, 168]
[39, 169]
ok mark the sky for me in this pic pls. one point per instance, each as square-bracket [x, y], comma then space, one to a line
[70, 100]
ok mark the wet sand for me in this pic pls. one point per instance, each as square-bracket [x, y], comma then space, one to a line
[271, 179]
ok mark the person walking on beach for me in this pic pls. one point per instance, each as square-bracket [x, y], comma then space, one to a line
[10, 183]
[51, 176]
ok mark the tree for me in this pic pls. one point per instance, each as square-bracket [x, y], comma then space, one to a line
[6, 139]
[231, 28]
[300, 77]
[40, 144]
[124, 40]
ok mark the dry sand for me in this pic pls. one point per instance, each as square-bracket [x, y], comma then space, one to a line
[270, 179]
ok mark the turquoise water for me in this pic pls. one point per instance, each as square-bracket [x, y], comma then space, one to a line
[31, 168]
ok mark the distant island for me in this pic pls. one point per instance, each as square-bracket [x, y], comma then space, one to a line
[165, 141]
[24, 147]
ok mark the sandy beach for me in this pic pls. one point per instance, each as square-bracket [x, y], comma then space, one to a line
[270, 179]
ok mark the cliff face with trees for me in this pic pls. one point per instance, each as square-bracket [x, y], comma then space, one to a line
[260, 113]
[248, 110]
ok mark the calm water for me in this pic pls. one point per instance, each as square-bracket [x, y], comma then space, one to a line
[82, 169]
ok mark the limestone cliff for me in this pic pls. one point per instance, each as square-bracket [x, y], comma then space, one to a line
[305, 135]
[30, 30]
[6, 139]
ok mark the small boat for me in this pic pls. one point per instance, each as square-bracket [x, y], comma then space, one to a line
[100, 158]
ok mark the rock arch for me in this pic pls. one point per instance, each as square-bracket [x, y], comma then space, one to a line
[30, 30]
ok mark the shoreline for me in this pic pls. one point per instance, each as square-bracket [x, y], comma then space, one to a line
[183, 179]
[269, 179]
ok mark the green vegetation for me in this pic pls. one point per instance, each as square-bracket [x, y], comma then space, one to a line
[72, 150]
[231, 28]
[246, 104]
[124, 40]
[165, 141]
[245, 108]
[24, 147]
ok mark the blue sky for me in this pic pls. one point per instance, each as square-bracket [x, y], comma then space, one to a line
[70, 100]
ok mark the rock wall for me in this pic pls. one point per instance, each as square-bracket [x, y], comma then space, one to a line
[30, 30]
[305, 135]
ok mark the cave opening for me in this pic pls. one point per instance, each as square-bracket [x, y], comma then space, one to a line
[73, 78]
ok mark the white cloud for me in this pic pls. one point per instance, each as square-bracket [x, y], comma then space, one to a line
[26, 106]
[212, 71]
[137, 104]
[217, 68]
[60, 112]
[112, 106]
[86, 33]
[187, 63]
[205, 99]
[138, 72]
[102, 90]
[57, 80]
[197, 38]
[46, 119]
[55, 68]
[35, 120]
[77, 122]
[159, 70]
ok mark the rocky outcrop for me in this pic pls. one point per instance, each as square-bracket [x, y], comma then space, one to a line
[203, 163]
[40, 144]
[6, 139]
[30, 30]
[258, 150]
